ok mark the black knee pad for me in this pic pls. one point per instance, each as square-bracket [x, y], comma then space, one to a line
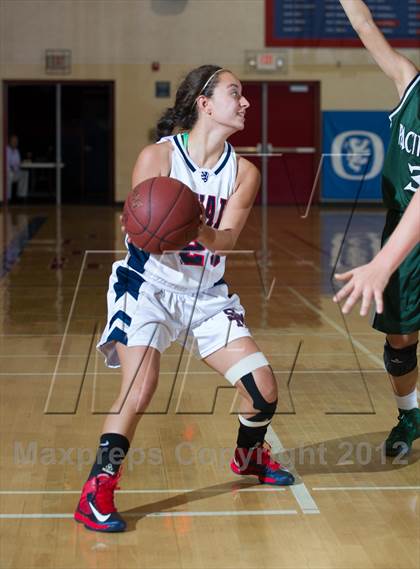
[400, 361]
[266, 410]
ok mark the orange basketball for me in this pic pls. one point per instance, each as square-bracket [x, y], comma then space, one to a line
[161, 214]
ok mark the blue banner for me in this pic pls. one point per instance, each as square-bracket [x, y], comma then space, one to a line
[354, 146]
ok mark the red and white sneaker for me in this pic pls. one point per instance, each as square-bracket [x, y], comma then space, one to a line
[257, 461]
[96, 508]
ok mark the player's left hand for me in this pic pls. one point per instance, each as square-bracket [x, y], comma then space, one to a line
[366, 282]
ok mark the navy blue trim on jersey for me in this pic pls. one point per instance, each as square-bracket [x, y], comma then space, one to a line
[138, 258]
[128, 282]
[223, 164]
[120, 315]
[221, 282]
[117, 335]
[190, 166]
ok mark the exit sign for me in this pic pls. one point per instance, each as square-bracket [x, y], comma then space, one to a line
[266, 61]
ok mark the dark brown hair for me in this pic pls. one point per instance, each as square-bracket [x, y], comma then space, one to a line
[183, 114]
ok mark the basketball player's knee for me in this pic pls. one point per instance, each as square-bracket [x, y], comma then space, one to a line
[266, 383]
[400, 361]
[244, 371]
[265, 409]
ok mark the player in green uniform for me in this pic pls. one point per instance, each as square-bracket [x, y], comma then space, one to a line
[396, 269]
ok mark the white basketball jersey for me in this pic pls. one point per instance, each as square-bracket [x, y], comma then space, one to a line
[195, 267]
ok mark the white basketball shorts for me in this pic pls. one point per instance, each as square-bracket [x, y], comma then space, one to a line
[141, 314]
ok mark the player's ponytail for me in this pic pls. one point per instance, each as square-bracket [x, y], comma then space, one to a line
[183, 116]
[166, 123]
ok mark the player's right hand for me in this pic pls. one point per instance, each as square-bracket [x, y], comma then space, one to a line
[366, 282]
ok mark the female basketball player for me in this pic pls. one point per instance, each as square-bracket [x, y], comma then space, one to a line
[400, 316]
[154, 300]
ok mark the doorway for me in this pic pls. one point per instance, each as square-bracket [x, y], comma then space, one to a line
[282, 138]
[66, 138]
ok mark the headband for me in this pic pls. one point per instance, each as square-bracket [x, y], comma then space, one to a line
[207, 83]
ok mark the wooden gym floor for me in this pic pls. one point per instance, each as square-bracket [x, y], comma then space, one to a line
[351, 507]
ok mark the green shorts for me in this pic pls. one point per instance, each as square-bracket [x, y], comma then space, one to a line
[401, 313]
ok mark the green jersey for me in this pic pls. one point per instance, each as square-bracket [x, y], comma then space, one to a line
[401, 179]
[401, 173]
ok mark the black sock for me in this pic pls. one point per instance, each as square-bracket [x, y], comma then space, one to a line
[111, 453]
[249, 437]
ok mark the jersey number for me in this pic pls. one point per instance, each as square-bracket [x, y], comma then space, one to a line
[192, 256]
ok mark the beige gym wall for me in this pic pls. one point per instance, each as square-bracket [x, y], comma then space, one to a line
[118, 40]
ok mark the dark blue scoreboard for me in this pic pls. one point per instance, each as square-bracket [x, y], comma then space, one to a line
[323, 23]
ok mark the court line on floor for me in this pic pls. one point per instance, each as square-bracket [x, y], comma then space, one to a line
[267, 354]
[311, 371]
[301, 493]
[374, 488]
[284, 371]
[64, 337]
[151, 514]
[151, 491]
[256, 333]
[336, 326]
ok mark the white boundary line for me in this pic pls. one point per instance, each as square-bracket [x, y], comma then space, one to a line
[350, 488]
[181, 490]
[141, 513]
[277, 371]
[339, 329]
[256, 333]
[64, 337]
[223, 513]
[152, 491]
[268, 354]
[306, 503]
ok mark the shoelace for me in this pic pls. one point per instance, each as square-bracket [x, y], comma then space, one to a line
[262, 455]
[267, 460]
[264, 458]
[105, 493]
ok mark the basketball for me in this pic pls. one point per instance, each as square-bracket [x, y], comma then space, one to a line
[161, 214]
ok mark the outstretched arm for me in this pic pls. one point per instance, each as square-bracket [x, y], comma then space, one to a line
[400, 69]
[369, 281]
